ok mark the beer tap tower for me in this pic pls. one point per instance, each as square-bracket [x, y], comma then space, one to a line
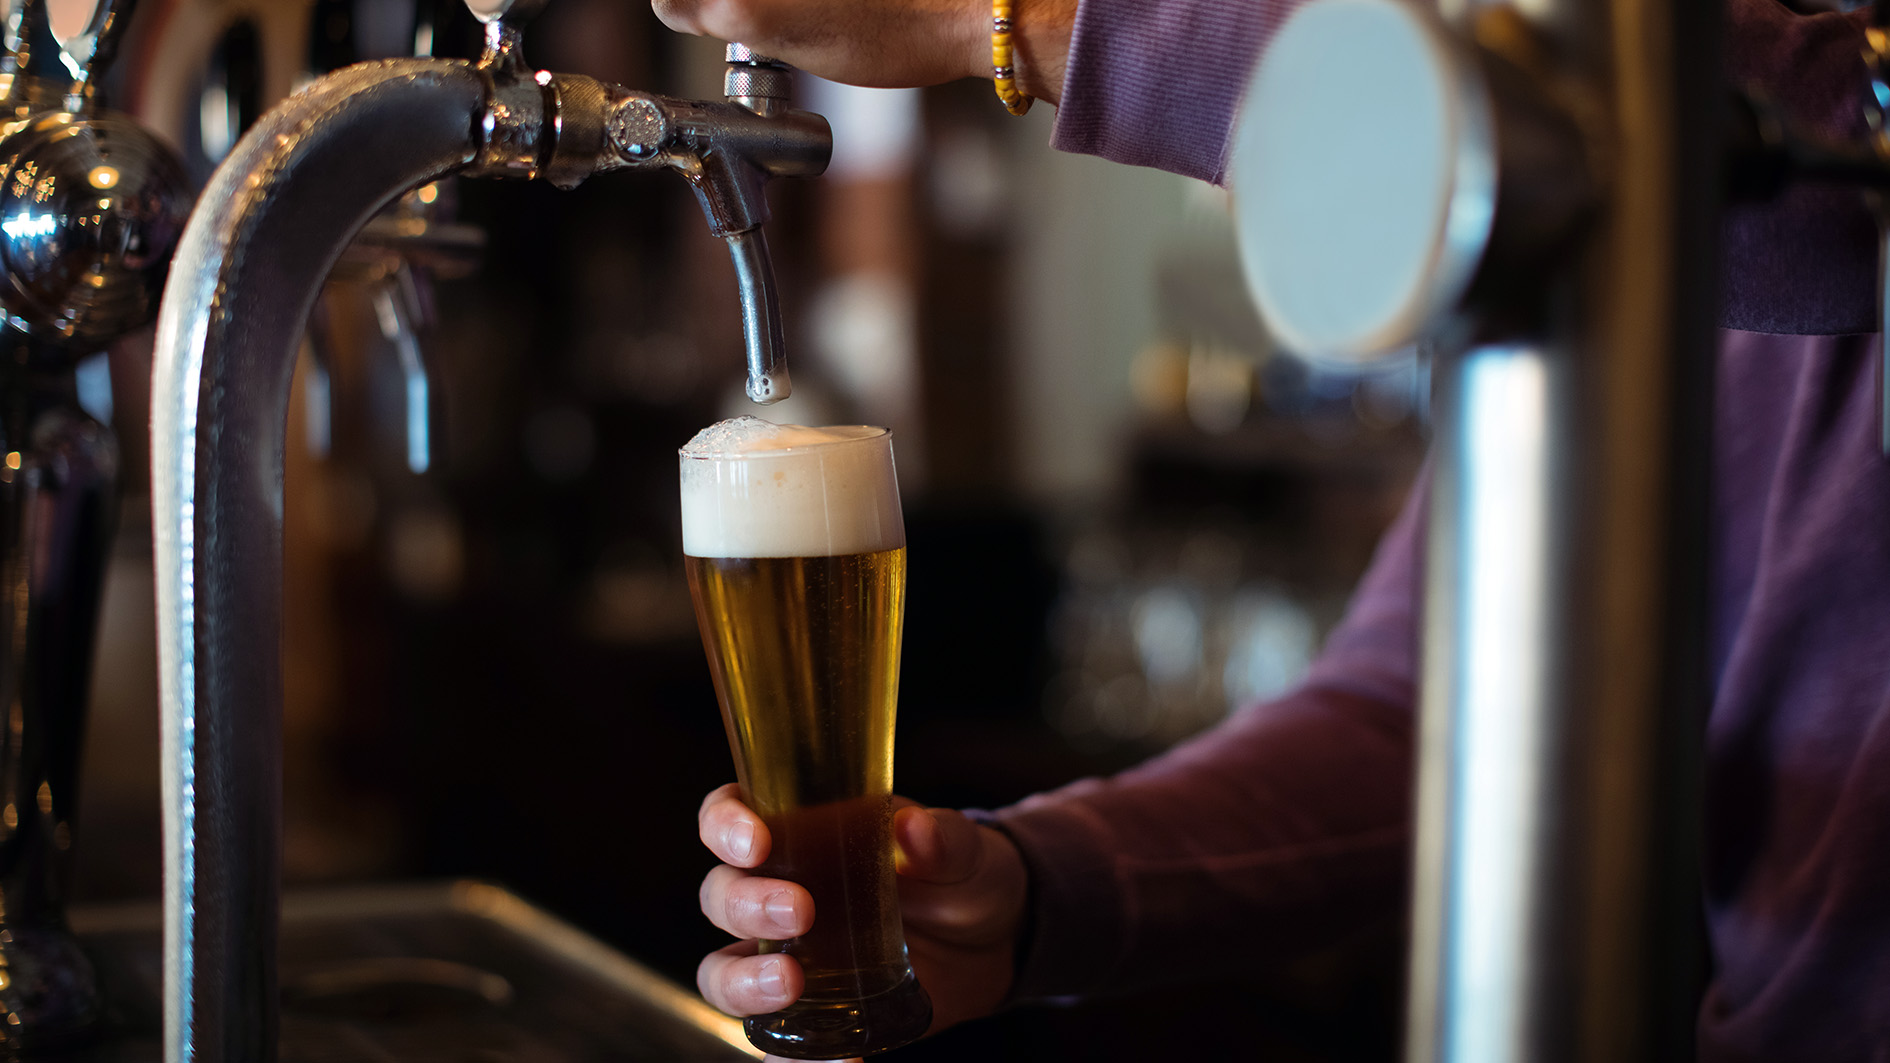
[1550, 174]
[90, 207]
[275, 218]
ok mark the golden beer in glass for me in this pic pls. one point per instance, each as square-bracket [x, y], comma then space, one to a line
[795, 550]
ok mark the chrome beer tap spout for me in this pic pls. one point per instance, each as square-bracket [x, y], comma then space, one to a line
[272, 222]
[728, 151]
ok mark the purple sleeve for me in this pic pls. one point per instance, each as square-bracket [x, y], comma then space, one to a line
[1156, 82]
[1805, 262]
[1262, 839]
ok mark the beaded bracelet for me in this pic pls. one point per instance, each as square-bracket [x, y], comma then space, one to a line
[1003, 73]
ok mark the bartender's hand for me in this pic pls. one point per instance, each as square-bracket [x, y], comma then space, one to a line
[961, 893]
[888, 43]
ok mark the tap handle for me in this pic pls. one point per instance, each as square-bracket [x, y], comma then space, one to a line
[757, 82]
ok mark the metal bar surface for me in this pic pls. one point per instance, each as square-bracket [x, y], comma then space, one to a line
[1557, 891]
[274, 218]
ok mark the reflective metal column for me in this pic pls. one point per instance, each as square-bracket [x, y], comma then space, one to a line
[1531, 190]
[1557, 911]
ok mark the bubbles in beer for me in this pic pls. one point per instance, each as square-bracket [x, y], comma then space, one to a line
[751, 488]
[745, 435]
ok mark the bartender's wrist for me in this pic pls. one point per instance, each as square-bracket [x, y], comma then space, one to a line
[1041, 36]
[1040, 40]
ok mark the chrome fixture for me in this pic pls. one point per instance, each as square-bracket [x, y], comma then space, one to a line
[275, 218]
[90, 207]
[91, 203]
[1531, 190]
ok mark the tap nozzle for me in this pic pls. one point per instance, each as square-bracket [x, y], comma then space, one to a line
[566, 128]
[728, 151]
[766, 341]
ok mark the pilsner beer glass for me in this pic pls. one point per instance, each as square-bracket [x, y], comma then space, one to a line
[795, 551]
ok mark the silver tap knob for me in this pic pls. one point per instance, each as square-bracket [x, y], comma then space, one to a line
[754, 81]
[90, 203]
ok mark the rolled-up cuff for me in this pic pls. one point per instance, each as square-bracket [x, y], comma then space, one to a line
[1158, 84]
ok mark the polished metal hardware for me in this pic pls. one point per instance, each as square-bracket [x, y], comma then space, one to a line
[274, 219]
[90, 203]
[90, 207]
[1546, 176]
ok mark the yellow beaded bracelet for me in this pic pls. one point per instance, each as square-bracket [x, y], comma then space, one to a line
[1003, 73]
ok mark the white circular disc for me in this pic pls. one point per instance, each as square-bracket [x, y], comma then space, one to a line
[1362, 178]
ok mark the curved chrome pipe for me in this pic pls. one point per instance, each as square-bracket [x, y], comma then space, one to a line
[275, 217]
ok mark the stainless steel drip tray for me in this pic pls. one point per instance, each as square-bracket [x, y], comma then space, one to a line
[462, 972]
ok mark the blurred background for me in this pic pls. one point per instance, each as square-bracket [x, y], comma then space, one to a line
[1128, 512]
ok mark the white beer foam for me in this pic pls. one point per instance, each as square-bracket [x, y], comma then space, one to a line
[755, 489]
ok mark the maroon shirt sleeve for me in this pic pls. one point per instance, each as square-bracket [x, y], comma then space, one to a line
[1157, 83]
[1261, 839]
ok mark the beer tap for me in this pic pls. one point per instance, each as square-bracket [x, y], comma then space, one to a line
[1533, 195]
[90, 205]
[273, 221]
